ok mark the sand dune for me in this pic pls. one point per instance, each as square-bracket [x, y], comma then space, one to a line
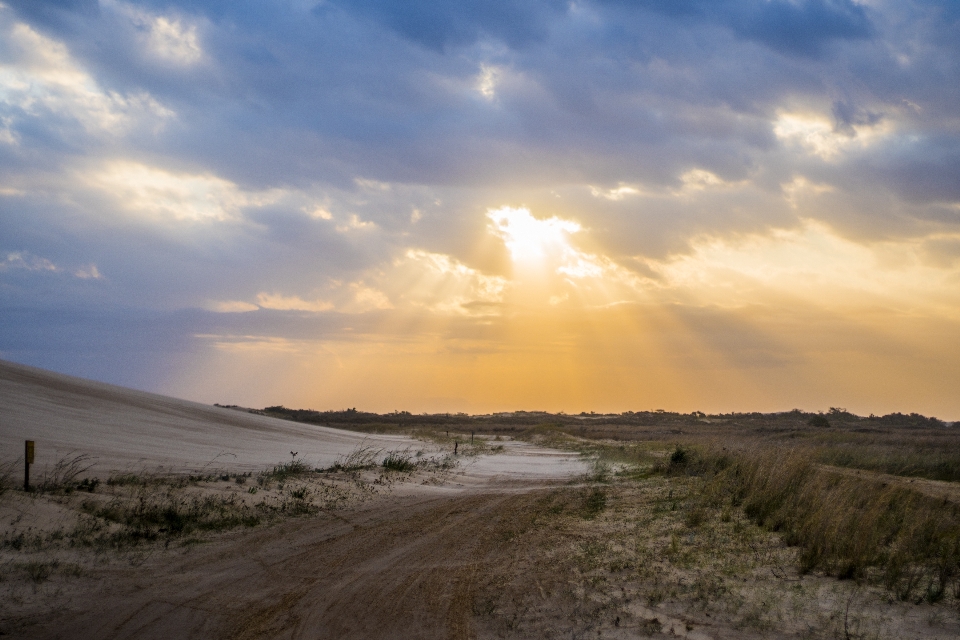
[124, 429]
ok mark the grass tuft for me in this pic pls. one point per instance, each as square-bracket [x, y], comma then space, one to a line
[281, 473]
[399, 461]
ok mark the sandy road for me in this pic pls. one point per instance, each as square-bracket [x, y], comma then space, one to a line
[398, 568]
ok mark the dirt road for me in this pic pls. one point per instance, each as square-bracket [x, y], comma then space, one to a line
[398, 568]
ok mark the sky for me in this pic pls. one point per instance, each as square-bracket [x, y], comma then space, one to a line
[602, 205]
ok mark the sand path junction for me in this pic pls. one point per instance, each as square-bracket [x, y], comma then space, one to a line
[401, 564]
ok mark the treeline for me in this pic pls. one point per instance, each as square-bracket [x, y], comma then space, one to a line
[796, 418]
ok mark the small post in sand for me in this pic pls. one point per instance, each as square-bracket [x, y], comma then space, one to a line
[27, 461]
[455, 445]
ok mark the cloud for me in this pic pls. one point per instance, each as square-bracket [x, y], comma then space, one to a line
[814, 265]
[231, 306]
[41, 83]
[89, 272]
[24, 260]
[443, 284]
[816, 135]
[793, 27]
[291, 303]
[156, 192]
[169, 39]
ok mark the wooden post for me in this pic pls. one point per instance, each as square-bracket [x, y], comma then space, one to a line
[27, 461]
[471, 437]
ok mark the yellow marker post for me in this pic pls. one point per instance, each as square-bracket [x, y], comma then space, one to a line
[27, 461]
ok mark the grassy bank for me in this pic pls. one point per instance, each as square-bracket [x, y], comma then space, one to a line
[844, 524]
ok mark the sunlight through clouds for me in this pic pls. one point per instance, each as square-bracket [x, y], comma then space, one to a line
[162, 194]
[549, 268]
[813, 264]
[529, 239]
[443, 285]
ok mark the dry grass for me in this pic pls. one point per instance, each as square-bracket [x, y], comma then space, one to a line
[848, 526]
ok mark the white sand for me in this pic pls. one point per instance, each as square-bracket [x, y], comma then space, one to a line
[127, 430]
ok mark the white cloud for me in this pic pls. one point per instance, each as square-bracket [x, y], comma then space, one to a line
[618, 193]
[230, 306]
[167, 38]
[89, 272]
[27, 261]
[41, 77]
[291, 303]
[443, 284]
[701, 180]
[816, 135]
[7, 134]
[367, 298]
[159, 193]
[171, 40]
[318, 213]
[354, 223]
[487, 81]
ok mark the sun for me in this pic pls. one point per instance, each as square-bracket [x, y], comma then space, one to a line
[529, 240]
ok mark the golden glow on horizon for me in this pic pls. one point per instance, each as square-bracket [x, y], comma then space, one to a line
[761, 321]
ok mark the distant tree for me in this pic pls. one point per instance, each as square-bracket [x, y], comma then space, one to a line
[818, 421]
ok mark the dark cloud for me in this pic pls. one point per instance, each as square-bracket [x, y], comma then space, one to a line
[441, 25]
[58, 14]
[801, 28]
[927, 173]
